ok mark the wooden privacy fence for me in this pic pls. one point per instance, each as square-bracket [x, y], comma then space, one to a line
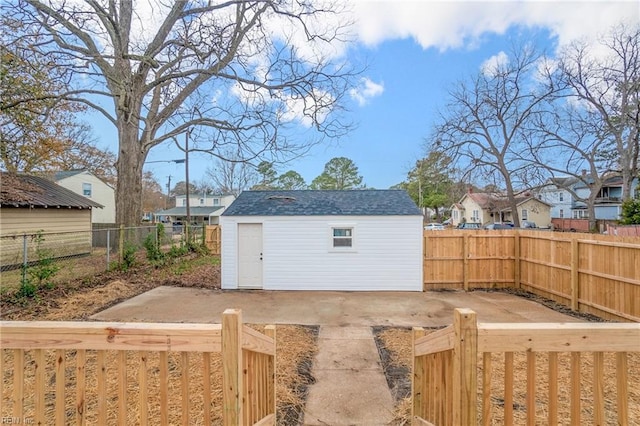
[136, 373]
[589, 273]
[533, 373]
[213, 238]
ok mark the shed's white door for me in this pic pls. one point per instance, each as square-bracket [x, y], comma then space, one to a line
[249, 255]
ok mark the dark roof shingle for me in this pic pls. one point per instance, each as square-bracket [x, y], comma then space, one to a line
[34, 191]
[323, 203]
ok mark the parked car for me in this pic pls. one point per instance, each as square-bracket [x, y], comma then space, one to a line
[434, 227]
[498, 226]
[469, 225]
[528, 224]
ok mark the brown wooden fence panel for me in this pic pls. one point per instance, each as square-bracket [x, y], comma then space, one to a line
[213, 239]
[597, 274]
[545, 265]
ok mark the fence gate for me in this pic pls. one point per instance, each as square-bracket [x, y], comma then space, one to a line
[213, 238]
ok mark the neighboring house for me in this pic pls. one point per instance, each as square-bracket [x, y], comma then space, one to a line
[356, 240]
[89, 185]
[205, 200]
[608, 202]
[490, 207]
[556, 194]
[607, 206]
[30, 204]
[203, 209]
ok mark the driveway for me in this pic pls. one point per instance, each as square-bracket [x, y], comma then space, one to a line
[333, 308]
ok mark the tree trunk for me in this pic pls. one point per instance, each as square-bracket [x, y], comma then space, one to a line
[129, 166]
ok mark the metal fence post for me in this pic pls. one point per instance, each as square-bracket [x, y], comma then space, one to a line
[25, 257]
[121, 243]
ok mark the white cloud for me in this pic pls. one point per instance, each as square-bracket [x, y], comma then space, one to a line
[454, 24]
[494, 64]
[366, 90]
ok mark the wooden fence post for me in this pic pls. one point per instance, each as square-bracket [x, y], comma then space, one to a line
[417, 378]
[270, 331]
[575, 278]
[516, 259]
[465, 262]
[465, 380]
[232, 414]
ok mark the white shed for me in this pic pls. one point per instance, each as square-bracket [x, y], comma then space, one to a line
[360, 240]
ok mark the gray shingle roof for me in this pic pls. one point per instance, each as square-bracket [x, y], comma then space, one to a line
[35, 191]
[323, 203]
[63, 174]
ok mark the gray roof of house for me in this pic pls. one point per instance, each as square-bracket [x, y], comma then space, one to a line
[323, 203]
[196, 211]
[35, 191]
[67, 173]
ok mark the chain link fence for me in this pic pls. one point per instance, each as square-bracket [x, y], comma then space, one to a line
[81, 254]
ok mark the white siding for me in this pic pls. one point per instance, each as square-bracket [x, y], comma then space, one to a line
[100, 193]
[298, 253]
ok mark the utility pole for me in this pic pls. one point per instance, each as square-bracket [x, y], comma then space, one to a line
[166, 201]
[186, 175]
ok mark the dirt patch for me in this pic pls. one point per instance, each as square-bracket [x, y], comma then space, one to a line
[78, 299]
[558, 307]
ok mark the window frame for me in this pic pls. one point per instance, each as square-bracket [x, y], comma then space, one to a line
[346, 226]
[525, 214]
[86, 185]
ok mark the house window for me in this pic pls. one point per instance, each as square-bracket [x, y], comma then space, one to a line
[580, 214]
[561, 196]
[216, 201]
[455, 214]
[476, 216]
[342, 237]
[561, 213]
[184, 201]
[525, 214]
[202, 201]
[86, 189]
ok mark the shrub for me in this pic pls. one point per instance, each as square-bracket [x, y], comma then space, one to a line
[631, 212]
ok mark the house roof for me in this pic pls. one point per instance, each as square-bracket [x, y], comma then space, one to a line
[67, 174]
[34, 191]
[196, 211]
[498, 202]
[323, 203]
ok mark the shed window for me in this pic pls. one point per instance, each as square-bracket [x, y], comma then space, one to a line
[342, 237]
[525, 214]
[86, 189]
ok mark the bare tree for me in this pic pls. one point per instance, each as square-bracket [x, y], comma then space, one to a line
[604, 79]
[484, 124]
[570, 145]
[232, 177]
[236, 73]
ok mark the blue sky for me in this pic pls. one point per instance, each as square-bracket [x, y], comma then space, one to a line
[415, 52]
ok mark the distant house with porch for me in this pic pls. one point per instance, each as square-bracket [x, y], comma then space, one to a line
[559, 192]
[203, 209]
[491, 207]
